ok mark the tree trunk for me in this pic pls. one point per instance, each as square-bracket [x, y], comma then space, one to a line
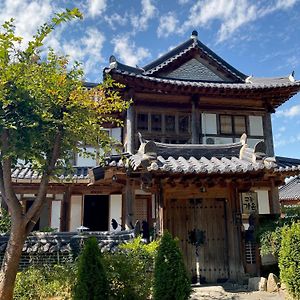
[11, 261]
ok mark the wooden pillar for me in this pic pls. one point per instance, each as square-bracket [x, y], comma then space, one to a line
[129, 204]
[235, 257]
[65, 210]
[130, 130]
[195, 120]
[267, 125]
[274, 201]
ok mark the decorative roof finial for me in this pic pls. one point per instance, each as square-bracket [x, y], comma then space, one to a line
[292, 77]
[194, 35]
[113, 62]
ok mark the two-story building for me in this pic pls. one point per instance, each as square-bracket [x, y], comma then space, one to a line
[201, 167]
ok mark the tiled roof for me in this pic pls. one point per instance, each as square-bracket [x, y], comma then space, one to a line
[203, 159]
[26, 173]
[187, 46]
[252, 84]
[151, 72]
[290, 191]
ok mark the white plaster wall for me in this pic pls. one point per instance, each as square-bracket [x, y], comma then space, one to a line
[55, 214]
[76, 208]
[209, 123]
[115, 210]
[82, 161]
[256, 125]
[263, 201]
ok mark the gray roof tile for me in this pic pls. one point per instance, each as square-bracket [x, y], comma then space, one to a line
[290, 191]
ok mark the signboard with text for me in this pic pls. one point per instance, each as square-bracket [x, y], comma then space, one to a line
[249, 203]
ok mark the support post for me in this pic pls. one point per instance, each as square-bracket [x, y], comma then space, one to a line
[267, 124]
[129, 204]
[274, 203]
[195, 120]
[65, 210]
[235, 263]
[130, 124]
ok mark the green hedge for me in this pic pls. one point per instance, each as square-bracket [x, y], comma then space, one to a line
[171, 280]
[92, 281]
[45, 282]
[289, 259]
[130, 270]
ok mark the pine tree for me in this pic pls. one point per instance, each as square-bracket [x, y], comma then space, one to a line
[92, 283]
[171, 281]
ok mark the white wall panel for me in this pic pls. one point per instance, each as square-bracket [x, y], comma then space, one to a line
[263, 201]
[115, 210]
[76, 208]
[55, 214]
[82, 161]
[209, 123]
[256, 125]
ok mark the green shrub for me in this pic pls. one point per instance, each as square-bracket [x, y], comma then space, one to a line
[170, 277]
[289, 259]
[130, 270]
[5, 221]
[270, 242]
[44, 282]
[91, 279]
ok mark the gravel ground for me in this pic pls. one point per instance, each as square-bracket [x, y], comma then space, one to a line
[219, 293]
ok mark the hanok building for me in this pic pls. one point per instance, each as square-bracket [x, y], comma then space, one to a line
[202, 167]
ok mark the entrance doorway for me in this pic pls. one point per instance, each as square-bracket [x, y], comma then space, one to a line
[200, 225]
[96, 211]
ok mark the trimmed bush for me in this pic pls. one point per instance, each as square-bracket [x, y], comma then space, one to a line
[171, 280]
[130, 270]
[289, 259]
[91, 283]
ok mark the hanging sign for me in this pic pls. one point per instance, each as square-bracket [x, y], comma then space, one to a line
[249, 203]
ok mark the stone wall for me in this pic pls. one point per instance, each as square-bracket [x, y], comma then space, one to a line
[42, 248]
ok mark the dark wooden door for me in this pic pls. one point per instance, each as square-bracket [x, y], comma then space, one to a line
[200, 225]
[96, 210]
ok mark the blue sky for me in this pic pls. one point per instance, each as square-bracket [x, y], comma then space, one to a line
[260, 38]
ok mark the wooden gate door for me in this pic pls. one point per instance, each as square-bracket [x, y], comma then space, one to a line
[200, 225]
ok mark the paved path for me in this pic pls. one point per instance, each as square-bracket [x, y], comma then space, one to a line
[218, 293]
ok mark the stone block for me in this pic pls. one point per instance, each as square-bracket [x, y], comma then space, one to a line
[272, 283]
[257, 284]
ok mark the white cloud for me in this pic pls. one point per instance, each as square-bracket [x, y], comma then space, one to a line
[127, 52]
[96, 7]
[167, 24]
[87, 50]
[140, 22]
[291, 112]
[115, 18]
[28, 15]
[232, 14]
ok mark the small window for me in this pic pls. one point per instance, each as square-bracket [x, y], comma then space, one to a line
[155, 122]
[170, 123]
[183, 124]
[225, 124]
[239, 124]
[142, 121]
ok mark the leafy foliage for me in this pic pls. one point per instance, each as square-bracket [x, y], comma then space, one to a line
[130, 270]
[270, 231]
[41, 283]
[91, 278]
[5, 221]
[289, 259]
[170, 277]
